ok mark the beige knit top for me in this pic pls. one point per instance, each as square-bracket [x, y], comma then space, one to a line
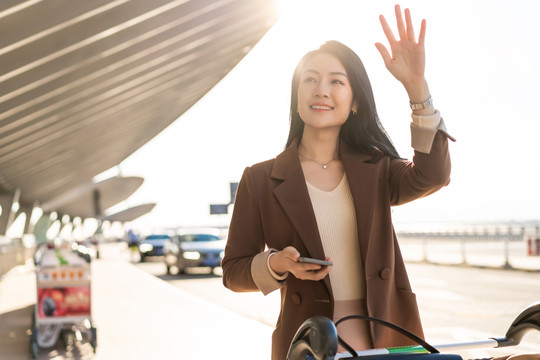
[336, 221]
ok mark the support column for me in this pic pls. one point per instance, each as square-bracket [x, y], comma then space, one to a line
[7, 199]
[27, 210]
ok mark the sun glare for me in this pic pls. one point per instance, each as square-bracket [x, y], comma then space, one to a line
[305, 24]
[309, 23]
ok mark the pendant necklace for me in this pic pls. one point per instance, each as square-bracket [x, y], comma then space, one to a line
[324, 165]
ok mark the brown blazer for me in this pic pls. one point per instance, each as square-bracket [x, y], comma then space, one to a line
[273, 210]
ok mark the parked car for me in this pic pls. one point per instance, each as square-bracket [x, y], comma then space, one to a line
[153, 245]
[194, 248]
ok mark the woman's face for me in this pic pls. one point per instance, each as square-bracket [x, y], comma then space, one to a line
[325, 97]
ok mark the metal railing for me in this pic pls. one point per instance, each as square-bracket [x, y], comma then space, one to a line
[503, 246]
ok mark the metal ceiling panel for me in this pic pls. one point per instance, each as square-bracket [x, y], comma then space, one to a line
[83, 84]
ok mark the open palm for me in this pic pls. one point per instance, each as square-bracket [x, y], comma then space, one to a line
[407, 58]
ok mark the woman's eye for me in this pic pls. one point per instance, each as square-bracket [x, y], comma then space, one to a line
[339, 82]
[309, 79]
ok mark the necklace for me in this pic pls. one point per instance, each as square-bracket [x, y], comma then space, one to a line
[324, 165]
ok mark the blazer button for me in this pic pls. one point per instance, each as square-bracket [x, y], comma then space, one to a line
[384, 273]
[296, 299]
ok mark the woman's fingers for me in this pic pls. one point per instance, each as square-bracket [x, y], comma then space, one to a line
[410, 28]
[405, 28]
[303, 271]
[387, 31]
[422, 35]
[313, 274]
[384, 53]
[291, 253]
[307, 271]
[400, 24]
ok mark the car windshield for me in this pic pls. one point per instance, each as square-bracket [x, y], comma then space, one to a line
[157, 237]
[198, 237]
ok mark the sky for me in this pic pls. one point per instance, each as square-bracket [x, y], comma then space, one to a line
[482, 71]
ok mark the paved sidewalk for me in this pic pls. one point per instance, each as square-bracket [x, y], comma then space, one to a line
[137, 316]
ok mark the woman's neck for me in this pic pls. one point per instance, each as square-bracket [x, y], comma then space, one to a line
[319, 147]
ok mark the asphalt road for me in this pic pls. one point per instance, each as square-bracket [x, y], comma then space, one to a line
[456, 303]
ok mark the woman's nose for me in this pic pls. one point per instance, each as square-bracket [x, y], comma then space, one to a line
[321, 90]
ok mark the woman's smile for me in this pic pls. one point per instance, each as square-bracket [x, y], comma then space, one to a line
[321, 107]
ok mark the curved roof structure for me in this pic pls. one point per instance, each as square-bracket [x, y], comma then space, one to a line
[83, 84]
[90, 200]
[130, 214]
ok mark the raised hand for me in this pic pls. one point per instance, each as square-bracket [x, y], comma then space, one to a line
[407, 58]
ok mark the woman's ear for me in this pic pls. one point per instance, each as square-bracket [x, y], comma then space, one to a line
[354, 108]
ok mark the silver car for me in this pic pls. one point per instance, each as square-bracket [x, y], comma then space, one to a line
[194, 248]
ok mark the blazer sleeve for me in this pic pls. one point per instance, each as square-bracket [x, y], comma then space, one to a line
[245, 262]
[429, 170]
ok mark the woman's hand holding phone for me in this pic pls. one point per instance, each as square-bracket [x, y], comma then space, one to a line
[315, 261]
[289, 260]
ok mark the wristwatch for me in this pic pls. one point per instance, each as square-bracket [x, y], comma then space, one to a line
[422, 105]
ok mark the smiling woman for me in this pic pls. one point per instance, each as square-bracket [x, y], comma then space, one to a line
[328, 196]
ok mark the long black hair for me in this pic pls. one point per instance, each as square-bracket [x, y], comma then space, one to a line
[362, 131]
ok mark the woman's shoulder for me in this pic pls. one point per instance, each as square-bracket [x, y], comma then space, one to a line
[261, 168]
[280, 166]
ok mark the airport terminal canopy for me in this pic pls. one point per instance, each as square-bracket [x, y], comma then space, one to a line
[83, 84]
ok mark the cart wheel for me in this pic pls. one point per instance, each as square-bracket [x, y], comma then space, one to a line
[93, 331]
[168, 269]
[34, 347]
[64, 334]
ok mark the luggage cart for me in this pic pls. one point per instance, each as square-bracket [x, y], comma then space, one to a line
[317, 339]
[63, 305]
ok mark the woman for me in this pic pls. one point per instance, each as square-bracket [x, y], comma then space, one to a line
[328, 196]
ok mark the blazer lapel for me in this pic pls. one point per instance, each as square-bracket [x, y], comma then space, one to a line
[293, 196]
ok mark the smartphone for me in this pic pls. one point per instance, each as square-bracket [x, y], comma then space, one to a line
[315, 261]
